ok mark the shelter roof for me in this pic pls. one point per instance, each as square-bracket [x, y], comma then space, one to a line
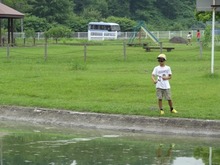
[7, 12]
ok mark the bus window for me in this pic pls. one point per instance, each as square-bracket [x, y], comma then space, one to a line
[109, 28]
[102, 27]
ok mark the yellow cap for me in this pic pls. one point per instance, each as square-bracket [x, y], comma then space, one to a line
[162, 56]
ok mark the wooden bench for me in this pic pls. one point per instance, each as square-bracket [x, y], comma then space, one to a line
[133, 44]
[148, 48]
[136, 44]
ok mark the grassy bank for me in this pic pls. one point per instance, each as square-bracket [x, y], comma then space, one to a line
[108, 83]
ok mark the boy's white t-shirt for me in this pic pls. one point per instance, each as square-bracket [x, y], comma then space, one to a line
[159, 72]
[189, 36]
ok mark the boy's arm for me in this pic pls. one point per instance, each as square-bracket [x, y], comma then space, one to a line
[153, 77]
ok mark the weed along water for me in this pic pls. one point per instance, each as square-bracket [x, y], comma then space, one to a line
[22, 143]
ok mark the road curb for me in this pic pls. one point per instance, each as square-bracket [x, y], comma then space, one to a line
[131, 123]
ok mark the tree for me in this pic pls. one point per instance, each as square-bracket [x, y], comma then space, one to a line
[142, 9]
[77, 24]
[20, 5]
[125, 23]
[91, 14]
[30, 33]
[80, 5]
[53, 10]
[100, 6]
[207, 36]
[158, 14]
[58, 32]
[115, 8]
[173, 9]
[36, 23]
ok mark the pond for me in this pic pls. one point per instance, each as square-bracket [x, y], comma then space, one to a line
[22, 143]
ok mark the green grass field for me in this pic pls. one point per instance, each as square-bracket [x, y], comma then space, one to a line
[106, 82]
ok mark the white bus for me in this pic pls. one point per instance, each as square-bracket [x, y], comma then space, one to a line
[103, 30]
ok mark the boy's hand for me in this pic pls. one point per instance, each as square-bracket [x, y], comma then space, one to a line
[166, 77]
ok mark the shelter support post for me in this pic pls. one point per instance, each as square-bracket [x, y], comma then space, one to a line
[10, 32]
[0, 32]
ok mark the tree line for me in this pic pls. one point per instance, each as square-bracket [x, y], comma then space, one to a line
[41, 15]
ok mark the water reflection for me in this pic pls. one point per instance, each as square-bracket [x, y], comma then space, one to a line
[52, 146]
[187, 160]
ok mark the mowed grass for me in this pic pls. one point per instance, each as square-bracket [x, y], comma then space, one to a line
[108, 82]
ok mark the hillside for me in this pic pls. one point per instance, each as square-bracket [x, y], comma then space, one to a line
[158, 14]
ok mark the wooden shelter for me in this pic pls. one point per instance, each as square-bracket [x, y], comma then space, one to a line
[9, 14]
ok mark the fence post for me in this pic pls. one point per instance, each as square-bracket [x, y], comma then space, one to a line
[124, 51]
[45, 49]
[161, 47]
[8, 51]
[158, 34]
[200, 50]
[24, 39]
[85, 52]
[34, 40]
[210, 155]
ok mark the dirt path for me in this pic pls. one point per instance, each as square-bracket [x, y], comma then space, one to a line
[141, 124]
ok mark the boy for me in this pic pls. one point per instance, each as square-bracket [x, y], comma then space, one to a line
[198, 35]
[189, 38]
[161, 76]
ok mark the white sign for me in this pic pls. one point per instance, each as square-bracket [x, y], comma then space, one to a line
[205, 5]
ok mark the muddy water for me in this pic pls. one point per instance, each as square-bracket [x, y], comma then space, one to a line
[22, 143]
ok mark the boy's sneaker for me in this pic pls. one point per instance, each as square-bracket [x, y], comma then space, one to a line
[174, 111]
[162, 112]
